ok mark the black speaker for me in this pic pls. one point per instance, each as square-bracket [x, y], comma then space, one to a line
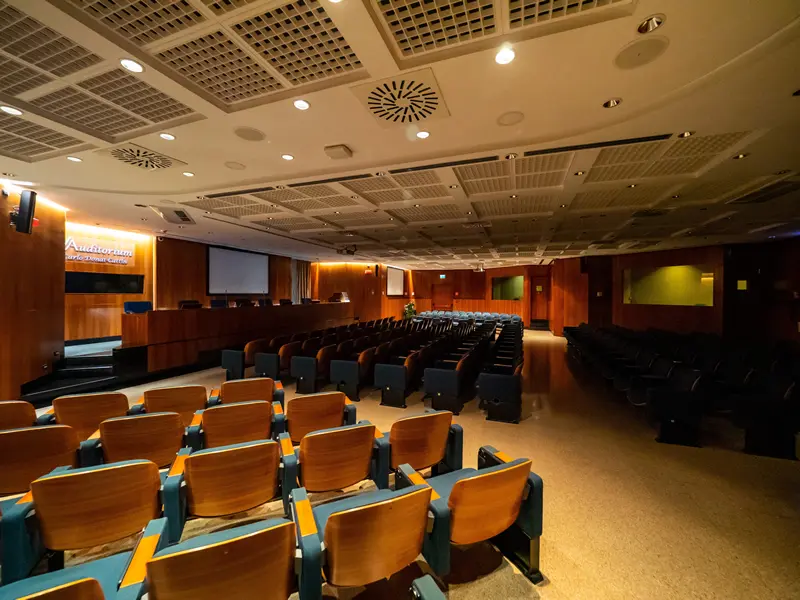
[584, 265]
[27, 206]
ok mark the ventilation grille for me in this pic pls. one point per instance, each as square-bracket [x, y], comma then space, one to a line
[771, 192]
[404, 100]
[532, 12]
[220, 7]
[28, 140]
[142, 158]
[220, 68]
[74, 105]
[16, 78]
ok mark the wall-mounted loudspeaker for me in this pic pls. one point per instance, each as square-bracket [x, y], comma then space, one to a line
[27, 206]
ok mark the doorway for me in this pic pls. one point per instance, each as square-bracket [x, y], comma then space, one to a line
[540, 303]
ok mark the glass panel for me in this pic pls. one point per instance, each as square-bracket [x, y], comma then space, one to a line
[678, 285]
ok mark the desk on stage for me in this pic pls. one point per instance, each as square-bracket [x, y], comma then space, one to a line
[176, 338]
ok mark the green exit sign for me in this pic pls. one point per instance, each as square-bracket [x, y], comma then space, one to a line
[442, 276]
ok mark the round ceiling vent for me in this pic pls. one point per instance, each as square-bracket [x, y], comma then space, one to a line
[403, 101]
[141, 157]
[510, 118]
[249, 134]
[235, 166]
[641, 52]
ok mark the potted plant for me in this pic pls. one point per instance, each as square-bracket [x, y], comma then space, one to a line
[409, 310]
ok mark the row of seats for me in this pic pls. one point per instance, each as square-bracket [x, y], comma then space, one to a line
[500, 381]
[462, 315]
[142, 306]
[351, 541]
[680, 378]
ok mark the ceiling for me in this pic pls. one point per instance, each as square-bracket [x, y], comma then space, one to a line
[523, 163]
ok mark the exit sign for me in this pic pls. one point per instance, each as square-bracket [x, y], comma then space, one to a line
[442, 276]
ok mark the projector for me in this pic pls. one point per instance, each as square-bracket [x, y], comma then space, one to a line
[478, 269]
[347, 250]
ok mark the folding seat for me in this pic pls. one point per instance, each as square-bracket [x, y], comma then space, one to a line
[770, 416]
[427, 441]
[625, 370]
[309, 370]
[299, 337]
[657, 376]
[345, 349]
[81, 509]
[500, 501]
[245, 390]
[501, 395]
[16, 413]
[451, 383]
[227, 480]
[396, 382]
[351, 375]
[157, 437]
[316, 412]
[85, 412]
[235, 423]
[677, 406]
[235, 362]
[184, 400]
[28, 453]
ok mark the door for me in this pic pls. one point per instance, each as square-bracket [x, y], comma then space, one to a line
[443, 296]
[540, 298]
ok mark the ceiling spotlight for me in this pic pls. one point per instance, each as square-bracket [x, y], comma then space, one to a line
[131, 65]
[563, 206]
[74, 159]
[686, 134]
[336, 212]
[740, 156]
[469, 212]
[12, 175]
[416, 206]
[391, 218]
[166, 136]
[783, 172]
[579, 173]
[423, 135]
[208, 212]
[10, 110]
[505, 55]
[612, 103]
[188, 174]
[301, 105]
[651, 23]
[676, 196]
[511, 156]
[453, 187]
[287, 157]
[512, 196]
[633, 185]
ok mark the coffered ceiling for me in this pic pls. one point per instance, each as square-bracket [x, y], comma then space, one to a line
[521, 164]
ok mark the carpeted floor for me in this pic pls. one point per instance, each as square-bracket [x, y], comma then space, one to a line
[624, 517]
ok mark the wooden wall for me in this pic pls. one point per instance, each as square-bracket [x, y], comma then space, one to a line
[682, 319]
[99, 315]
[569, 295]
[182, 274]
[365, 290]
[32, 298]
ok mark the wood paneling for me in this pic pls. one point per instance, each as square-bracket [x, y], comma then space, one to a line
[600, 270]
[684, 319]
[100, 315]
[569, 293]
[32, 298]
[365, 290]
[511, 307]
[280, 277]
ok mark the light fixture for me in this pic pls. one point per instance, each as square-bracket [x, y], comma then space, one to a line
[166, 136]
[131, 65]
[686, 134]
[423, 135]
[579, 173]
[188, 174]
[633, 185]
[511, 156]
[10, 110]
[505, 55]
[287, 157]
[783, 172]
[651, 23]
[512, 196]
[740, 156]
[74, 159]
[469, 212]
[416, 206]
[301, 105]
[676, 196]
[453, 187]
[9, 174]
[563, 206]
[336, 212]
[18, 183]
[208, 212]
[612, 102]
[391, 218]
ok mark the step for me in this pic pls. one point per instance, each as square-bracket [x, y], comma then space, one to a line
[80, 371]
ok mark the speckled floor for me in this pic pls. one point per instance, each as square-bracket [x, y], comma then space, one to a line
[625, 517]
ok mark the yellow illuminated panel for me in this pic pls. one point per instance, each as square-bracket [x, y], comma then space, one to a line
[678, 285]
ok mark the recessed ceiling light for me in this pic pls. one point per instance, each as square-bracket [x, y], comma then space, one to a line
[579, 173]
[740, 156]
[180, 226]
[453, 187]
[11, 110]
[166, 136]
[633, 185]
[505, 55]
[131, 65]
[423, 135]
[391, 218]
[511, 156]
[74, 159]
[783, 172]
[144, 218]
[301, 105]
[9, 174]
[416, 206]
[612, 102]
[469, 212]
[686, 134]
[188, 174]
[651, 23]
[676, 196]
[208, 212]
[287, 157]
[336, 212]
[512, 196]
[269, 218]
[563, 206]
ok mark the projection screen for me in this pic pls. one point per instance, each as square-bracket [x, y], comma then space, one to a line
[237, 272]
[394, 282]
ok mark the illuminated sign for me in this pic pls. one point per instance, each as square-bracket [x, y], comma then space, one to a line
[97, 250]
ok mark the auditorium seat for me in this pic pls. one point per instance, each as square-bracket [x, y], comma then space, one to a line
[16, 413]
[189, 304]
[310, 370]
[219, 303]
[245, 390]
[274, 364]
[135, 307]
[428, 441]
[226, 480]
[236, 361]
[396, 382]
[350, 374]
[314, 412]
[85, 412]
[676, 404]
[183, 399]
[770, 415]
[81, 509]
[501, 501]
[228, 424]
[501, 395]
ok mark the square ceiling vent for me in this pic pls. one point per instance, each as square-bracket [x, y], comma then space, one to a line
[407, 99]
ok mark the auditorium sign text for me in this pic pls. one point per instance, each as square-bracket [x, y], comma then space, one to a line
[99, 250]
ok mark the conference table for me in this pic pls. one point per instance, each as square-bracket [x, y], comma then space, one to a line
[176, 338]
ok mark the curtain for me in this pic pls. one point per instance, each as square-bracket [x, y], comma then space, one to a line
[301, 280]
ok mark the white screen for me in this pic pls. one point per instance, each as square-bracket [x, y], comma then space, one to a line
[234, 272]
[394, 282]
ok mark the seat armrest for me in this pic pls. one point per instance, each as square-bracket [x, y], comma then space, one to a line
[379, 470]
[454, 451]
[46, 418]
[193, 435]
[154, 538]
[289, 466]
[173, 496]
[21, 548]
[489, 456]
[214, 398]
[278, 420]
[532, 509]
[278, 394]
[425, 588]
[308, 542]
[349, 413]
[138, 408]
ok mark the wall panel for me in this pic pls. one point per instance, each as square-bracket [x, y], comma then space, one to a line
[569, 293]
[365, 290]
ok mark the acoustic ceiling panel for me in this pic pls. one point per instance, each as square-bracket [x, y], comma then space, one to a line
[354, 219]
[522, 13]
[337, 201]
[123, 89]
[281, 195]
[704, 144]
[221, 68]
[74, 105]
[244, 211]
[36, 133]
[418, 26]
[142, 21]
[416, 178]
[221, 7]
[305, 204]
[543, 163]
[677, 166]
[628, 153]
[16, 78]
[370, 184]
[208, 203]
[485, 170]
[618, 172]
[487, 186]
[439, 212]
[292, 224]
[507, 207]
[429, 191]
[29, 40]
[387, 196]
[316, 190]
[540, 180]
[300, 41]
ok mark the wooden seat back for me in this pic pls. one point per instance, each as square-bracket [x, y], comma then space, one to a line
[334, 460]
[484, 505]
[245, 390]
[421, 440]
[183, 399]
[374, 542]
[235, 423]
[88, 508]
[286, 353]
[156, 437]
[253, 348]
[324, 357]
[235, 568]
[365, 362]
[85, 412]
[15, 414]
[80, 589]
[230, 480]
[313, 412]
[27, 454]
[276, 343]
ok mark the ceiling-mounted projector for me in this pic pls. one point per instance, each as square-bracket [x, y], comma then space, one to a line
[479, 268]
[347, 250]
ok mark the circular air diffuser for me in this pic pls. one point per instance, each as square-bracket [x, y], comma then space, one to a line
[404, 101]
